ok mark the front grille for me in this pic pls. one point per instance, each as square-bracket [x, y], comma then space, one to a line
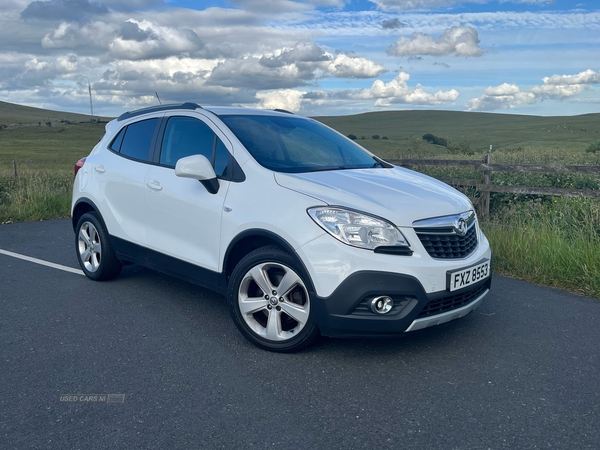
[449, 246]
[451, 302]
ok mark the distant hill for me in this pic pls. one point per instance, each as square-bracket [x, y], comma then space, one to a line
[62, 143]
[11, 113]
[26, 137]
[479, 129]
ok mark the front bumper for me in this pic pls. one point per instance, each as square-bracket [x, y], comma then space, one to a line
[346, 313]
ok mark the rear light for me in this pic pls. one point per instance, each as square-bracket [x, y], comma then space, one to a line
[78, 165]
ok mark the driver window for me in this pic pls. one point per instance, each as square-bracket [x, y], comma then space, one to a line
[186, 136]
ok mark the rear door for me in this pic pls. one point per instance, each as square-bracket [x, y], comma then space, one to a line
[120, 180]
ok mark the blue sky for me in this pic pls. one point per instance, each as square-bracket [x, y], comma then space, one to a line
[315, 57]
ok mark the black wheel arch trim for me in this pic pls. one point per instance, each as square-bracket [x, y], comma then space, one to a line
[253, 232]
[94, 207]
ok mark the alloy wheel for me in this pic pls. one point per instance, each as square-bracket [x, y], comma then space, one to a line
[89, 246]
[273, 301]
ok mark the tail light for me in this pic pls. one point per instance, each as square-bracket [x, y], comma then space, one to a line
[78, 165]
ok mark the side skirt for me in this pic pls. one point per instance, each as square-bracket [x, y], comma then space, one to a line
[127, 251]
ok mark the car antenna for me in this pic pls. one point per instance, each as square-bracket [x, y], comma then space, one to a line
[159, 102]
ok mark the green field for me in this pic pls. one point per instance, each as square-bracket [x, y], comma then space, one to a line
[480, 130]
[546, 240]
[26, 138]
[11, 113]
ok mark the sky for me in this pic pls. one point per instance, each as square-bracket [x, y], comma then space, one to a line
[314, 57]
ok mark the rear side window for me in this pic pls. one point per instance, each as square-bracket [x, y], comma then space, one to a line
[116, 143]
[186, 136]
[137, 139]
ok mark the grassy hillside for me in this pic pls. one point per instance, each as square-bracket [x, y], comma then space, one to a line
[572, 133]
[31, 142]
[26, 137]
[11, 113]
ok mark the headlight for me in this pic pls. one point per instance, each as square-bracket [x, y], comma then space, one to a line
[357, 229]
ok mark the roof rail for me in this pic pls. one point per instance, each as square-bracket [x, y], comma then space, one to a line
[151, 109]
[284, 111]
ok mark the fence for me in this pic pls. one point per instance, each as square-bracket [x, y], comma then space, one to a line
[485, 186]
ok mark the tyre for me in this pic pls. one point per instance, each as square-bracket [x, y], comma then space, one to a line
[269, 301]
[94, 251]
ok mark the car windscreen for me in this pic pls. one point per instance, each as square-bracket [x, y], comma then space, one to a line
[296, 145]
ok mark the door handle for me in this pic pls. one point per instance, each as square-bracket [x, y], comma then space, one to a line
[154, 185]
[99, 169]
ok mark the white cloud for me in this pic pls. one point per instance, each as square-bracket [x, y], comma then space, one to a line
[71, 10]
[502, 90]
[404, 5]
[585, 77]
[72, 35]
[558, 91]
[457, 41]
[557, 87]
[251, 74]
[398, 91]
[395, 91]
[273, 6]
[24, 72]
[288, 99]
[156, 41]
[309, 57]
[500, 97]
[328, 3]
[353, 67]
[291, 67]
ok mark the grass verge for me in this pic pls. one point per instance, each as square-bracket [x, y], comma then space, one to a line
[35, 195]
[553, 243]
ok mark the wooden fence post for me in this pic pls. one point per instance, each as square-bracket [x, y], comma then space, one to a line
[485, 196]
[15, 167]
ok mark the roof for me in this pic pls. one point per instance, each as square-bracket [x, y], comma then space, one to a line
[223, 110]
[217, 110]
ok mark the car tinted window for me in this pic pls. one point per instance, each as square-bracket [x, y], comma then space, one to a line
[137, 139]
[116, 143]
[295, 144]
[221, 162]
[185, 136]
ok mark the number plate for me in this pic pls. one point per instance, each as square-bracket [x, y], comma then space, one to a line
[462, 278]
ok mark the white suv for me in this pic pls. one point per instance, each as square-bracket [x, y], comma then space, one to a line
[304, 231]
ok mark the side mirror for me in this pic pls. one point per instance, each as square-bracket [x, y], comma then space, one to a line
[199, 168]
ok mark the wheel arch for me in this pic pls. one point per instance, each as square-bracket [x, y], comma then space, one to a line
[250, 240]
[82, 206]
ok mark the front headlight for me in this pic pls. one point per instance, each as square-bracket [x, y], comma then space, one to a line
[357, 229]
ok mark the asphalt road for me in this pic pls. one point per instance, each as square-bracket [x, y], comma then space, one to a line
[521, 372]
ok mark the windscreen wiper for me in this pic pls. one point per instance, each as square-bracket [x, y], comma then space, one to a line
[323, 169]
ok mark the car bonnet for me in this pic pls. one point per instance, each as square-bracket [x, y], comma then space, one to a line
[399, 195]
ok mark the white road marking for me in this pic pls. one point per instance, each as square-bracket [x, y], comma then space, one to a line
[41, 262]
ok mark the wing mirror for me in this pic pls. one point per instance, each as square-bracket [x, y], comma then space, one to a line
[199, 168]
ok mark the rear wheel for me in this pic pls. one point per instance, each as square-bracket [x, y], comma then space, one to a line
[269, 301]
[94, 252]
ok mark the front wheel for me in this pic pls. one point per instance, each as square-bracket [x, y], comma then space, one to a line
[269, 301]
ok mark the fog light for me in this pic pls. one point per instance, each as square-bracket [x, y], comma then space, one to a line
[381, 305]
